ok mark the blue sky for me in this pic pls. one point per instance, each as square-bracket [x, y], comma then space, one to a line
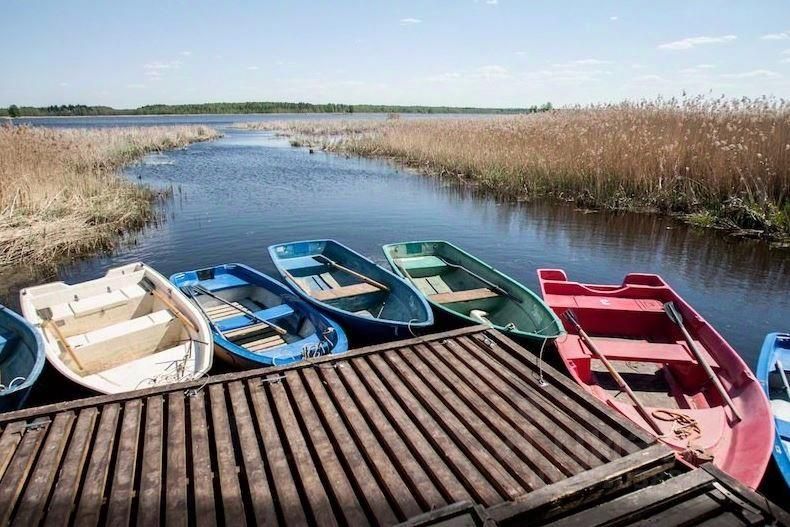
[462, 52]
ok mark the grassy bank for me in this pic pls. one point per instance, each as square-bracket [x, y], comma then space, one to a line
[61, 195]
[718, 163]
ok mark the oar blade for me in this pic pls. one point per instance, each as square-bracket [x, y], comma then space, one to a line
[672, 312]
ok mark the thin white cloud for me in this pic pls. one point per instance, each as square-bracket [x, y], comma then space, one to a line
[252, 68]
[785, 60]
[690, 42]
[786, 52]
[614, 18]
[649, 78]
[136, 86]
[492, 2]
[63, 84]
[784, 35]
[157, 68]
[185, 53]
[490, 72]
[581, 62]
[763, 74]
[521, 53]
[699, 68]
[410, 21]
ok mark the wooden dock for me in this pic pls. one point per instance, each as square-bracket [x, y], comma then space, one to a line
[444, 424]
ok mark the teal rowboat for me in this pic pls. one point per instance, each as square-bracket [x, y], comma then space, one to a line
[461, 286]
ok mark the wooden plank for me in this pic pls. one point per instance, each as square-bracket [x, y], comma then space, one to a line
[438, 284]
[202, 475]
[12, 435]
[536, 448]
[748, 495]
[329, 280]
[95, 478]
[379, 505]
[345, 292]
[410, 469]
[570, 435]
[306, 472]
[478, 419]
[19, 468]
[34, 500]
[564, 394]
[176, 471]
[640, 503]
[444, 479]
[289, 503]
[119, 507]
[689, 511]
[476, 482]
[218, 379]
[468, 295]
[264, 343]
[254, 468]
[479, 453]
[627, 471]
[247, 330]
[61, 503]
[230, 490]
[340, 486]
[150, 492]
[605, 416]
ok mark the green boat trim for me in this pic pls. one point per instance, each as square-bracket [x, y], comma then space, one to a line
[466, 287]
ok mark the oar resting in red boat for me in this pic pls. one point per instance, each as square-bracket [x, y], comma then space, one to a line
[628, 326]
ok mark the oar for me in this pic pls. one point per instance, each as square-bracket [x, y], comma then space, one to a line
[59, 336]
[675, 316]
[783, 376]
[571, 317]
[489, 283]
[354, 273]
[187, 290]
[202, 290]
[151, 288]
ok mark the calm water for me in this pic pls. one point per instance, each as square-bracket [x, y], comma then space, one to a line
[235, 196]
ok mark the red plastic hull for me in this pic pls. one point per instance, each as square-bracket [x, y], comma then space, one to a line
[627, 323]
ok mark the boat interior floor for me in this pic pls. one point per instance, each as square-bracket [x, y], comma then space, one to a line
[446, 284]
[651, 382]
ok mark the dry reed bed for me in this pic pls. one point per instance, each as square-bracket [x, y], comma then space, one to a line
[721, 163]
[61, 195]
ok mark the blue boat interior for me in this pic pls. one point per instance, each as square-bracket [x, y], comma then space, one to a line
[235, 292]
[328, 272]
[18, 355]
[779, 387]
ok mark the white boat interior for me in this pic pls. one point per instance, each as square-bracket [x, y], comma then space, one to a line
[130, 329]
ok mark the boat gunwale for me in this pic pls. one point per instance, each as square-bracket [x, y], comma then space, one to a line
[40, 352]
[780, 452]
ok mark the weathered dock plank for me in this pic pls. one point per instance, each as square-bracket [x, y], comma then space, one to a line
[385, 434]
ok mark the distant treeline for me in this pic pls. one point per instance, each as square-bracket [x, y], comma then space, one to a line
[248, 107]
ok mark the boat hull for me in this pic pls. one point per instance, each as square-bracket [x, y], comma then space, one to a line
[395, 311]
[21, 359]
[776, 350]
[628, 324]
[438, 266]
[234, 281]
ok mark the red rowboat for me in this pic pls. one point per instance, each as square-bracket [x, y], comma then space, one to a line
[628, 325]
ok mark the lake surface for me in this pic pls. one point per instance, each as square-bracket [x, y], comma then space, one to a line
[235, 196]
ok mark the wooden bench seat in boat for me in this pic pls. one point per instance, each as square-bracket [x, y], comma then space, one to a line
[105, 309]
[122, 342]
[633, 350]
[344, 292]
[462, 296]
[600, 302]
[96, 303]
[269, 314]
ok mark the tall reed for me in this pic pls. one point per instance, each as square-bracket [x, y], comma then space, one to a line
[61, 195]
[723, 162]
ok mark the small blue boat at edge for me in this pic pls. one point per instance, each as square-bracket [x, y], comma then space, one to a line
[256, 320]
[773, 370]
[21, 359]
[370, 301]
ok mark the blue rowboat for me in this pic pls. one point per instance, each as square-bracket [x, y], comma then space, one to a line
[256, 320]
[773, 370]
[371, 302]
[21, 359]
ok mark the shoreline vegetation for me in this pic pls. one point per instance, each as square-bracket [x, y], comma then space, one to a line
[61, 194]
[76, 110]
[714, 163]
